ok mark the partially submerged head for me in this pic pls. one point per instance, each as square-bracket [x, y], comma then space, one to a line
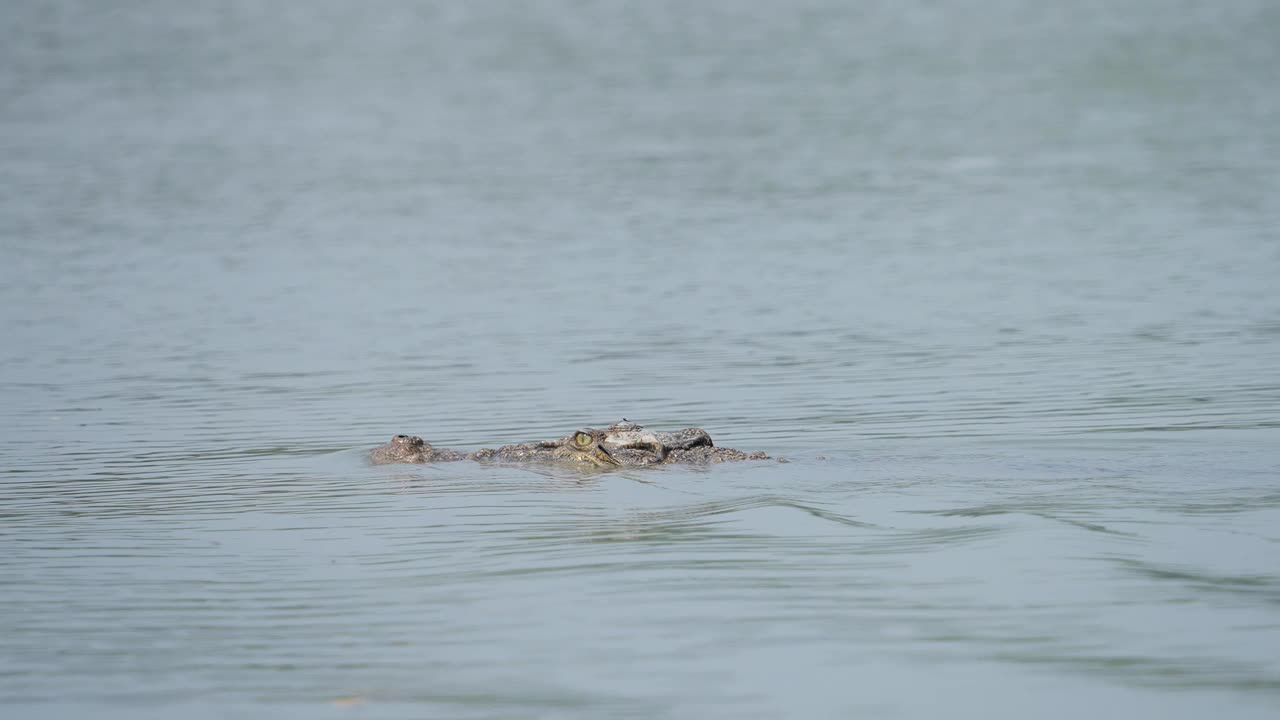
[401, 449]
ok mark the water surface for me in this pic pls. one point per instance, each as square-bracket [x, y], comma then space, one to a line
[999, 282]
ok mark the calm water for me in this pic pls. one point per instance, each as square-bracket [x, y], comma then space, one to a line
[999, 279]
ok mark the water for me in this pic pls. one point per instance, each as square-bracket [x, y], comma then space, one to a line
[998, 279]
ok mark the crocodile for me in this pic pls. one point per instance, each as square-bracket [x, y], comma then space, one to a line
[620, 444]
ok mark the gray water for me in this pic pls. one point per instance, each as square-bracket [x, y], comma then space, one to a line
[999, 279]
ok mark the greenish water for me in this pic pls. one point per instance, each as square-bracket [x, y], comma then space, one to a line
[999, 279]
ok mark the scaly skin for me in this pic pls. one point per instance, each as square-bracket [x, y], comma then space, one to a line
[584, 446]
[632, 444]
[411, 449]
[621, 444]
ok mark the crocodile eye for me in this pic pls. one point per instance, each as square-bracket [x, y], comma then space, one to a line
[582, 439]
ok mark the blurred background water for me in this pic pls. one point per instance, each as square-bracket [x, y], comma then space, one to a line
[1000, 280]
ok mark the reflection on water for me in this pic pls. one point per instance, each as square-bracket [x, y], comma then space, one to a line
[999, 284]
